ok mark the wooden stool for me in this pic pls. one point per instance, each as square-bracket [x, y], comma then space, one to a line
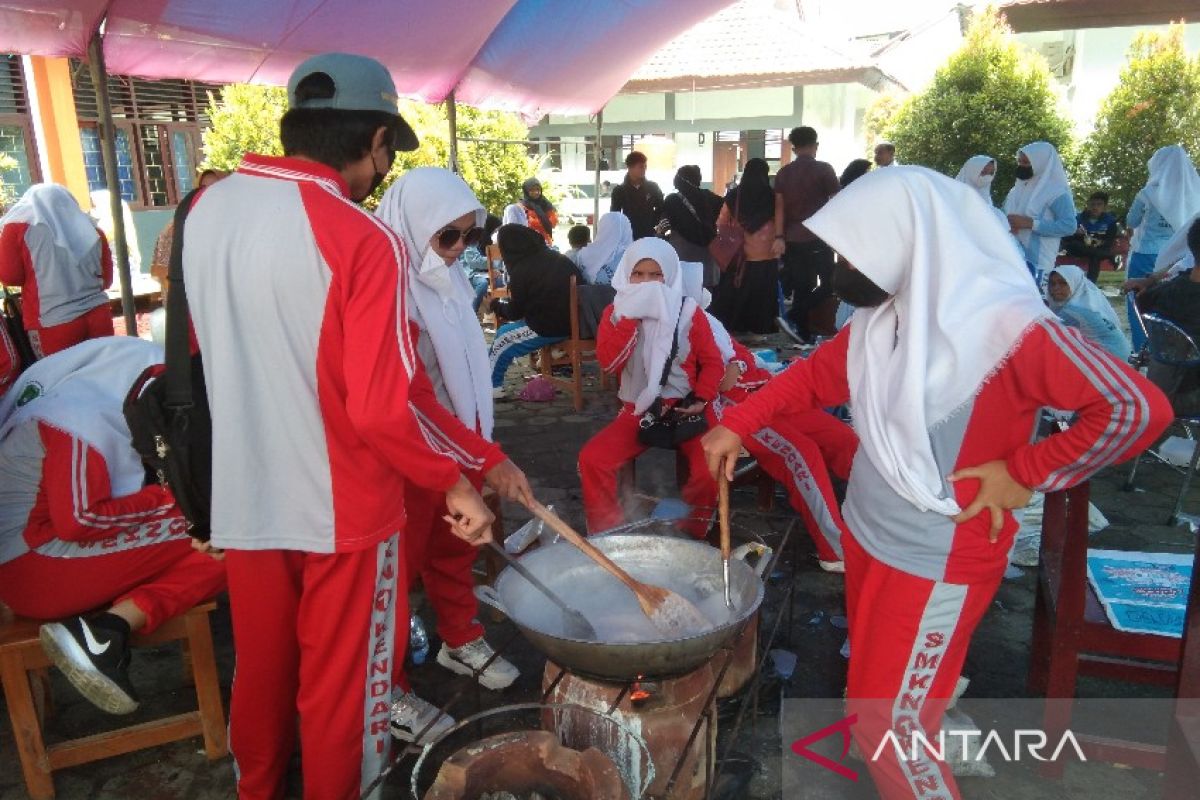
[22, 660]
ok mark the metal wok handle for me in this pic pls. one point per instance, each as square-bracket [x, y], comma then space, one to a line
[763, 552]
[489, 596]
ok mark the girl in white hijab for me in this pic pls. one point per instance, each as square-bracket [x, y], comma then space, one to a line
[600, 259]
[51, 249]
[978, 172]
[1162, 208]
[1080, 303]
[651, 317]
[515, 214]
[438, 216]
[1039, 206]
[946, 364]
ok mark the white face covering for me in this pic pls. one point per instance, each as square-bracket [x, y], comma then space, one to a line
[52, 205]
[972, 175]
[961, 302]
[421, 203]
[658, 308]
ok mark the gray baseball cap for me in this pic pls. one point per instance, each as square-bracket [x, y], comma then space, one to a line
[360, 84]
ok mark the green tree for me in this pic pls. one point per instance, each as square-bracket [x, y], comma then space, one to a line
[1153, 105]
[247, 120]
[9, 165]
[990, 97]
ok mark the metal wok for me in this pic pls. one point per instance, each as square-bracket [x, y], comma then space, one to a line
[628, 645]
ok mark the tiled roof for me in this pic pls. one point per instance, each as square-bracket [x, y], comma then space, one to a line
[753, 43]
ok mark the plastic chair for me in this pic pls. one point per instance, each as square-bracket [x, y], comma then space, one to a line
[1171, 347]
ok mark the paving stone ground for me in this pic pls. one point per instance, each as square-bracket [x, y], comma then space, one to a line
[544, 438]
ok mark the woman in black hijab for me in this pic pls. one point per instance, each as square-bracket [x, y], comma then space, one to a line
[542, 215]
[747, 299]
[691, 213]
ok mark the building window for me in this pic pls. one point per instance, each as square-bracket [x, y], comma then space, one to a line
[16, 129]
[158, 125]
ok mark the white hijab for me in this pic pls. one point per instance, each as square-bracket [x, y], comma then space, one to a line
[1174, 186]
[515, 214]
[613, 236]
[961, 302]
[693, 287]
[418, 205]
[1175, 252]
[81, 390]
[658, 308]
[1049, 182]
[1084, 293]
[52, 205]
[972, 175]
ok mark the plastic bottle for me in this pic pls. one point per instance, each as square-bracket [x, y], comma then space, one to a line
[418, 640]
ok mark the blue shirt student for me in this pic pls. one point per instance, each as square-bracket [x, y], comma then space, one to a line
[1153, 232]
[1057, 221]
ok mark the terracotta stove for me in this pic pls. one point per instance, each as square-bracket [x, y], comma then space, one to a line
[668, 714]
[526, 764]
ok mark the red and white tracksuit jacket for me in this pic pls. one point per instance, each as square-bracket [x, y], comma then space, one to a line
[298, 303]
[62, 300]
[917, 583]
[801, 448]
[67, 546]
[442, 561]
[698, 368]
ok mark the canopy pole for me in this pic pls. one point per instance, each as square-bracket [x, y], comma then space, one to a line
[599, 154]
[452, 118]
[108, 154]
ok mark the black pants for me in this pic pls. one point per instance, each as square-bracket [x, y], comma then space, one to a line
[807, 267]
[1074, 246]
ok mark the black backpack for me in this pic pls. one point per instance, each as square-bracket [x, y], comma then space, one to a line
[167, 407]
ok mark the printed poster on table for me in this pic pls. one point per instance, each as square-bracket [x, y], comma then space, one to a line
[1142, 592]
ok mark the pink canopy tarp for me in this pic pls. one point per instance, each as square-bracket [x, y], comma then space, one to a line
[530, 56]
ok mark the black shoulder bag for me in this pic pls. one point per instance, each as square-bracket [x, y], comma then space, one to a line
[14, 321]
[167, 408]
[667, 429]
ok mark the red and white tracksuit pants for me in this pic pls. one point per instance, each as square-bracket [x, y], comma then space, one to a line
[616, 445]
[801, 450]
[908, 640]
[51, 339]
[314, 634]
[162, 578]
[443, 563]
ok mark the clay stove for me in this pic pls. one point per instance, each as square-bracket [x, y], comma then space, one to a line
[666, 713]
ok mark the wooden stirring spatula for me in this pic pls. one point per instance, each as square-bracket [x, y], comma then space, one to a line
[670, 612]
[723, 515]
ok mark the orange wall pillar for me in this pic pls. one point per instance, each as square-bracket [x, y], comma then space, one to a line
[51, 79]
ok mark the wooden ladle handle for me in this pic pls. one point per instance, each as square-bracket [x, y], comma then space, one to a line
[589, 549]
[723, 513]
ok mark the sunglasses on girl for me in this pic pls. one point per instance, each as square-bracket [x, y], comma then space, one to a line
[448, 237]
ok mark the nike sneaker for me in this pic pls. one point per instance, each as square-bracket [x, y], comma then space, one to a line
[414, 717]
[94, 656]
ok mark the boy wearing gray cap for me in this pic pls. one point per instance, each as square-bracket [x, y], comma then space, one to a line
[295, 295]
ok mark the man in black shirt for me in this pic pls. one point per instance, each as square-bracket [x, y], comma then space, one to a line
[637, 198]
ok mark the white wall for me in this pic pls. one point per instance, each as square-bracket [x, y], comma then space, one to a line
[1099, 56]
[836, 111]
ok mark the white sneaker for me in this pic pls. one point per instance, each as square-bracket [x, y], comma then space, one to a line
[832, 566]
[469, 660]
[498, 393]
[410, 716]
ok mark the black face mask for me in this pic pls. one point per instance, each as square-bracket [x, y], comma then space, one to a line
[1024, 172]
[378, 177]
[856, 288]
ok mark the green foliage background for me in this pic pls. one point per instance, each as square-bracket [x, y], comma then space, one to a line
[990, 97]
[1156, 103]
[247, 120]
